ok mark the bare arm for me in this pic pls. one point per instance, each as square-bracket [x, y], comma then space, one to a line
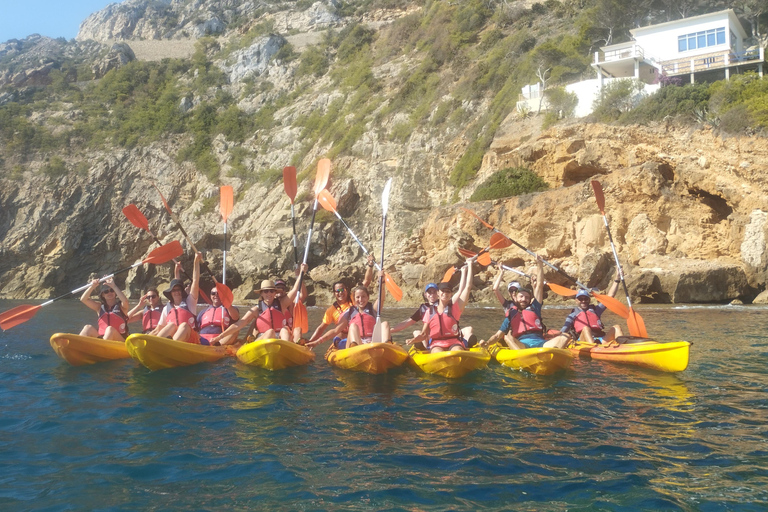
[136, 312]
[194, 290]
[497, 284]
[423, 335]
[402, 325]
[615, 285]
[86, 297]
[368, 279]
[464, 297]
[538, 292]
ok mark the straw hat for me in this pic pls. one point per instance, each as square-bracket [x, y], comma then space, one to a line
[266, 284]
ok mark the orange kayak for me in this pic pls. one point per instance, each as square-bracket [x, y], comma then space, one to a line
[665, 357]
[81, 350]
[539, 361]
[368, 357]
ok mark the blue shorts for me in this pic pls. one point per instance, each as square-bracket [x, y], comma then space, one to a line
[340, 343]
[532, 340]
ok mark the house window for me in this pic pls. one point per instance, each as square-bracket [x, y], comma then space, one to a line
[701, 39]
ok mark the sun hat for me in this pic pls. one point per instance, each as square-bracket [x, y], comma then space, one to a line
[266, 284]
[175, 283]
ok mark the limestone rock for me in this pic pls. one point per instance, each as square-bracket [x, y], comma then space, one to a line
[119, 55]
[253, 60]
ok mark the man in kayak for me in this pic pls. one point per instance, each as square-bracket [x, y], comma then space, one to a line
[585, 319]
[215, 318]
[148, 310]
[511, 289]
[523, 328]
[430, 299]
[112, 309]
[177, 320]
[338, 308]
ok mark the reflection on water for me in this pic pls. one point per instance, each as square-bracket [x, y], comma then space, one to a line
[226, 436]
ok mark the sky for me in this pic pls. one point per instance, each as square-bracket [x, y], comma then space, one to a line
[52, 18]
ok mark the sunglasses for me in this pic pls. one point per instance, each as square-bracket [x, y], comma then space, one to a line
[214, 294]
[340, 290]
[108, 291]
[268, 291]
[152, 297]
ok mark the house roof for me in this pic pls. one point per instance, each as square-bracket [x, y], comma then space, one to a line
[702, 17]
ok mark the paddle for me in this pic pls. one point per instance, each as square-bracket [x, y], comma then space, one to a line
[635, 322]
[483, 259]
[290, 186]
[498, 241]
[377, 336]
[321, 180]
[21, 314]
[609, 302]
[134, 215]
[329, 204]
[226, 203]
[225, 294]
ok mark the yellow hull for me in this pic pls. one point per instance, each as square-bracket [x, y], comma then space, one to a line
[81, 350]
[451, 364]
[539, 361]
[274, 354]
[159, 353]
[664, 357]
[370, 357]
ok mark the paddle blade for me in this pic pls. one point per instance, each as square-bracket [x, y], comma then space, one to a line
[636, 324]
[392, 287]
[484, 259]
[377, 336]
[323, 172]
[500, 241]
[225, 294]
[478, 218]
[164, 253]
[467, 253]
[448, 274]
[385, 197]
[561, 290]
[613, 304]
[289, 182]
[327, 201]
[165, 203]
[300, 318]
[599, 196]
[17, 315]
[227, 201]
[135, 216]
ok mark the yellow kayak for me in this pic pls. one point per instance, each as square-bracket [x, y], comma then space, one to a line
[452, 363]
[274, 354]
[368, 357]
[664, 357]
[81, 350]
[539, 361]
[159, 353]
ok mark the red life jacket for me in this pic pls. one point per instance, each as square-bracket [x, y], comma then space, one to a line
[289, 316]
[180, 314]
[589, 319]
[364, 319]
[113, 318]
[443, 326]
[213, 320]
[525, 322]
[270, 317]
[151, 318]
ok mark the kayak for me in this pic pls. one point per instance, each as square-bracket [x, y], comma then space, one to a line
[274, 354]
[451, 363]
[159, 353]
[664, 357]
[539, 361]
[369, 357]
[81, 350]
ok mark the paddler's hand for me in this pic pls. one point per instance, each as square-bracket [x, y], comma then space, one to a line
[198, 257]
[371, 260]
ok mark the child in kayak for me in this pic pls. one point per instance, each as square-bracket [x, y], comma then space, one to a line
[177, 320]
[585, 319]
[149, 309]
[215, 318]
[360, 320]
[112, 309]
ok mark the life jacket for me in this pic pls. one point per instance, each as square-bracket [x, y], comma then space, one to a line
[150, 318]
[289, 316]
[180, 314]
[525, 322]
[213, 320]
[508, 305]
[443, 326]
[113, 317]
[270, 317]
[364, 319]
[589, 319]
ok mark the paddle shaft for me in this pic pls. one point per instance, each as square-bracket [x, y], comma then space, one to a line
[616, 258]
[224, 258]
[306, 249]
[381, 277]
[295, 240]
[365, 251]
[85, 287]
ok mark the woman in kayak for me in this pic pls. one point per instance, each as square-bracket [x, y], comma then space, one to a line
[360, 320]
[112, 309]
[441, 329]
[177, 320]
[584, 321]
[269, 313]
[215, 318]
[149, 309]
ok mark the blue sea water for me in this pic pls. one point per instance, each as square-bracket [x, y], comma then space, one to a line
[115, 436]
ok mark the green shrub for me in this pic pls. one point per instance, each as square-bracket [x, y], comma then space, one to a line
[312, 61]
[617, 98]
[401, 131]
[55, 168]
[670, 102]
[512, 181]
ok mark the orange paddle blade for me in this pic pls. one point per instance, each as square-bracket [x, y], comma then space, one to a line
[227, 197]
[484, 259]
[164, 253]
[392, 287]
[163, 199]
[225, 294]
[289, 182]
[599, 196]
[478, 218]
[561, 290]
[323, 172]
[613, 304]
[448, 274]
[500, 241]
[327, 201]
[17, 315]
[135, 216]
[636, 324]
[300, 318]
[467, 253]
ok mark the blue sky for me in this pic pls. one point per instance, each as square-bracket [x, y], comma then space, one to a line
[52, 18]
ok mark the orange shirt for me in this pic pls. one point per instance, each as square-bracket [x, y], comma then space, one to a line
[333, 313]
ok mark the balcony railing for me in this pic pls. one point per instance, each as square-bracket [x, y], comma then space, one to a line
[630, 52]
[718, 60]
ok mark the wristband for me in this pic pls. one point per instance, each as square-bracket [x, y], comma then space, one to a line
[370, 265]
[617, 280]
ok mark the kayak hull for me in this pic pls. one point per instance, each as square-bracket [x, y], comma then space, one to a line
[274, 354]
[451, 364]
[372, 358]
[160, 353]
[665, 357]
[538, 361]
[82, 350]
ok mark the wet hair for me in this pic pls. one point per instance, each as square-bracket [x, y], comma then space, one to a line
[360, 287]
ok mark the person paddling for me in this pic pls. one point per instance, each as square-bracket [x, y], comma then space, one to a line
[282, 289]
[585, 319]
[149, 309]
[112, 309]
[269, 313]
[523, 327]
[441, 321]
[178, 318]
[214, 319]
